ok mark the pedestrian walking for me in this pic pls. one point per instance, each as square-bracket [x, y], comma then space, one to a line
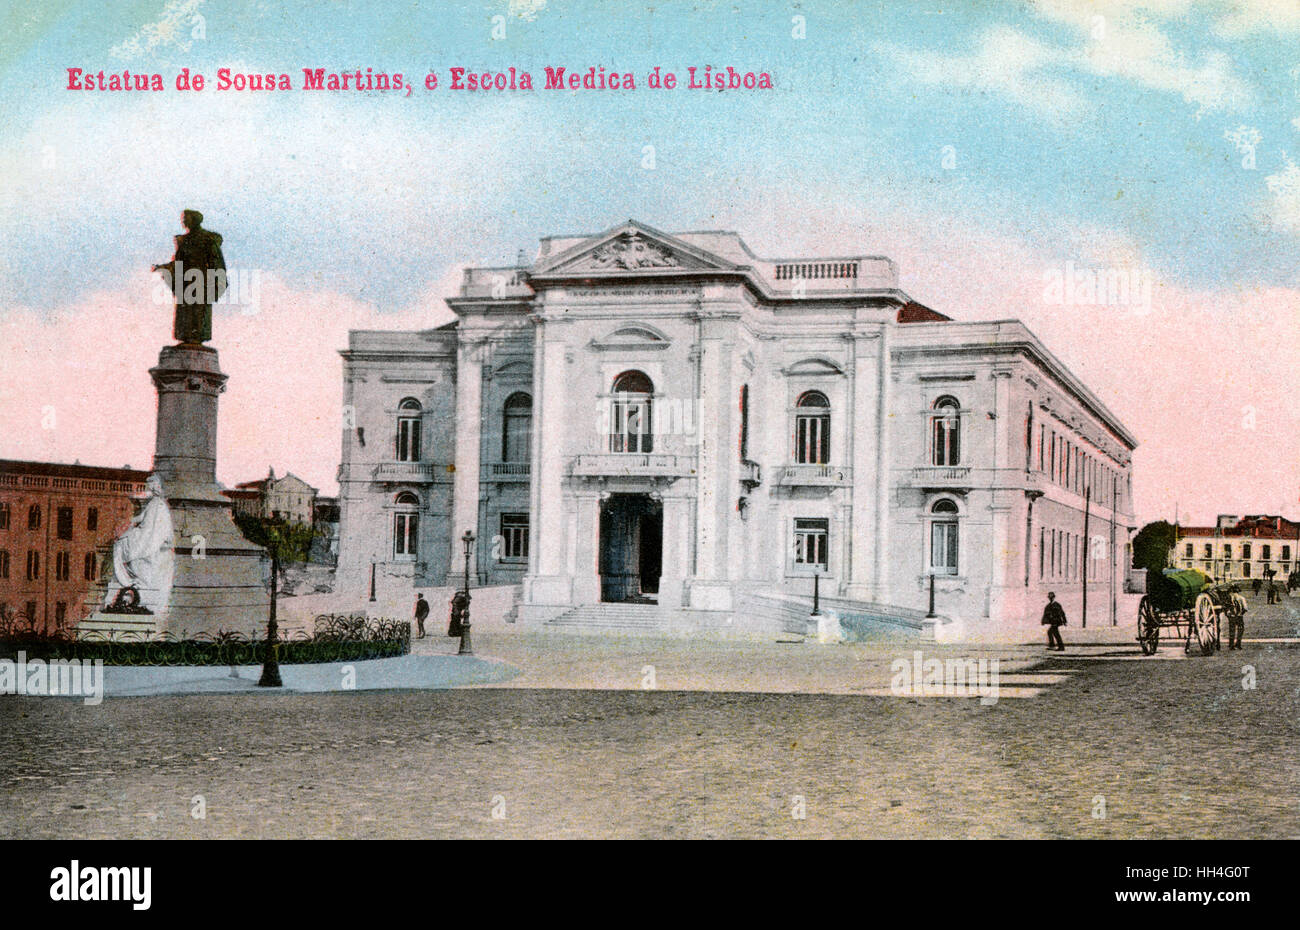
[1054, 619]
[421, 612]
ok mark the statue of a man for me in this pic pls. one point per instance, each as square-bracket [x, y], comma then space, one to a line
[197, 276]
[143, 559]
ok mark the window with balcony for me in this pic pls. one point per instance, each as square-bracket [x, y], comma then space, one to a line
[408, 430]
[517, 428]
[943, 538]
[812, 429]
[632, 414]
[514, 537]
[406, 522]
[810, 543]
[945, 432]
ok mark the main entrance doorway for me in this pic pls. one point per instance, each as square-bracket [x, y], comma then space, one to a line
[631, 548]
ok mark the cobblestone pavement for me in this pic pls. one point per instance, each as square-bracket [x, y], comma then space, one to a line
[1122, 747]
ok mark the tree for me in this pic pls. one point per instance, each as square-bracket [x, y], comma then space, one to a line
[1152, 545]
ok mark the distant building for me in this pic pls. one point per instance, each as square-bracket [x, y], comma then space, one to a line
[1253, 547]
[54, 519]
[288, 498]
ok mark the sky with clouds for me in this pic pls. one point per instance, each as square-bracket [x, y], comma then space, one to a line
[988, 148]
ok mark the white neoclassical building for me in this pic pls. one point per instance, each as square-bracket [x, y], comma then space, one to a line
[670, 421]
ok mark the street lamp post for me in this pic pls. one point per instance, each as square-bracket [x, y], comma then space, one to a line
[817, 601]
[466, 645]
[931, 614]
[270, 658]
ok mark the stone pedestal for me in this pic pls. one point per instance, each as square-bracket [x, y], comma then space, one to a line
[218, 585]
[218, 581]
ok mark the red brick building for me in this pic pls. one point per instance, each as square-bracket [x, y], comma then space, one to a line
[53, 520]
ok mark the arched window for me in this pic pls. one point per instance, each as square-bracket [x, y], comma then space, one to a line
[943, 537]
[945, 431]
[631, 413]
[34, 517]
[408, 430]
[406, 524]
[517, 428]
[812, 429]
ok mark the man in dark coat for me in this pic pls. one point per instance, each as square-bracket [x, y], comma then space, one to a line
[197, 276]
[421, 612]
[1054, 619]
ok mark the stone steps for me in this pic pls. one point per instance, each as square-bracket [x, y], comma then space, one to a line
[612, 617]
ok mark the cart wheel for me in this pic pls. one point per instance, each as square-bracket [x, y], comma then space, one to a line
[1148, 627]
[1206, 623]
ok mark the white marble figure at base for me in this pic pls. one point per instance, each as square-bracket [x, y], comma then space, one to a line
[142, 556]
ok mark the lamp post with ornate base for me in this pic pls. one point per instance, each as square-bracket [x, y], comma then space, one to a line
[271, 659]
[466, 645]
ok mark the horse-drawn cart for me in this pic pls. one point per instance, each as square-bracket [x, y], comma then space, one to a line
[1189, 604]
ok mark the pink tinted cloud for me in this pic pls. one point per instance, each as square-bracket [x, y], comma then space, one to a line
[75, 383]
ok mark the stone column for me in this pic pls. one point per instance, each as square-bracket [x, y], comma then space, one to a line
[716, 480]
[547, 582]
[677, 518]
[465, 486]
[586, 579]
[865, 432]
[217, 585]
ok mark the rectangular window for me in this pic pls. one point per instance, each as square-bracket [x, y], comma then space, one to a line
[1286, 552]
[4, 515]
[1227, 550]
[812, 439]
[60, 611]
[408, 439]
[88, 566]
[33, 565]
[1209, 548]
[405, 540]
[1042, 448]
[1245, 550]
[810, 542]
[514, 536]
[4, 563]
[30, 609]
[1267, 552]
[34, 517]
[1245, 569]
[1042, 552]
[631, 425]
[943, 547]
[62, 563]
[64, 530]
[92, 519]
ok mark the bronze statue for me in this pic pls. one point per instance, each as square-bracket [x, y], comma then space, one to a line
[197, 276]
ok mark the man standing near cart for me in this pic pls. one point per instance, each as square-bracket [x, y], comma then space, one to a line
[1054, 619]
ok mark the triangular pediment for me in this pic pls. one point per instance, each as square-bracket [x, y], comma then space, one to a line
[629, 248]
